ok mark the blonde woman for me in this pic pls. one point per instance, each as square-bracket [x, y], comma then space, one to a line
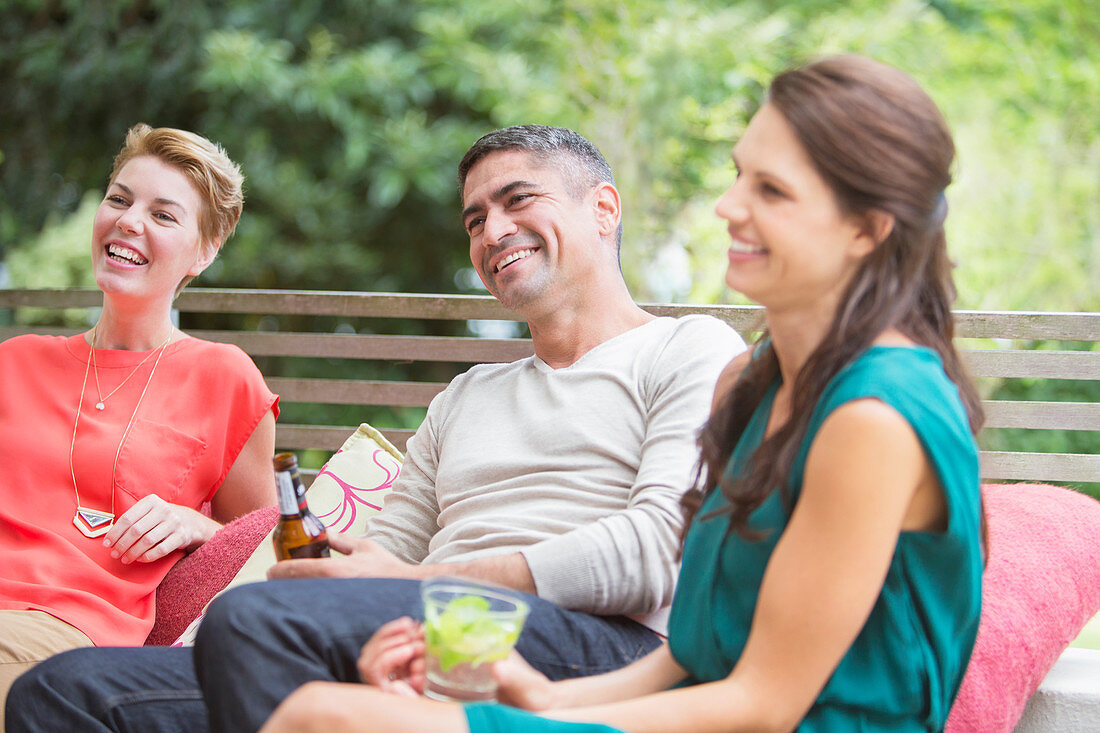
[112, 439]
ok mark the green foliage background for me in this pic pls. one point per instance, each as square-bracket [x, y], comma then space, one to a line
[348, 117]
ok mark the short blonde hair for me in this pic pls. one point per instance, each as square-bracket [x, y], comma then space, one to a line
[216, 178]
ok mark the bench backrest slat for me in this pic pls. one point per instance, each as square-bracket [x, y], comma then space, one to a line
[999, 413]
[1033, 364]
[328, 437]
[1040, 466]
[461, 349]
[355, 391]
[1042, 415]
[969, 324]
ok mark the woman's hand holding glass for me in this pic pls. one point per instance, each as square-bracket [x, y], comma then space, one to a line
[393, 661]
[522, 686]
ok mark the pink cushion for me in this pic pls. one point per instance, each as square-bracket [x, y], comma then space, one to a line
[1040, 586]
[195, 579]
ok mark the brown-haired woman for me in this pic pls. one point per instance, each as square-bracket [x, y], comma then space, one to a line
[112, 439]
[831, 578]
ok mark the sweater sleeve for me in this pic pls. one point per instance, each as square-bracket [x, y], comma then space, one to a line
[409, 516]
[626, 561]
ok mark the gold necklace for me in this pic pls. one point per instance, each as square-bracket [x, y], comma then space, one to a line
[93, 523]
[102, 404]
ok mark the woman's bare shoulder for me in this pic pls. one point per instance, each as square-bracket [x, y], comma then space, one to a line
[729, 376]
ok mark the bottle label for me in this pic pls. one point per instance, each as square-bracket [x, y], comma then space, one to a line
[288, 497]
[313, 549]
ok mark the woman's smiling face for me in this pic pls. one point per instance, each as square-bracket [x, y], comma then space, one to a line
[792, 245]
[146, 236]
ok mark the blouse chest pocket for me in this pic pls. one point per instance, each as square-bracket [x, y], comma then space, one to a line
[159, 459]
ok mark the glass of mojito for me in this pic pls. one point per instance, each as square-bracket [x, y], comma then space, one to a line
[467, 627]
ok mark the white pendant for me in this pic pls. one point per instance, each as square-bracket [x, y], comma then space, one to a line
[92, 523]
[100, 406]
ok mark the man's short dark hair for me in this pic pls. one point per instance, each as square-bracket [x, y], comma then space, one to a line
[580, 163]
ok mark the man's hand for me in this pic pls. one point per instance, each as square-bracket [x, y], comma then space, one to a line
[393, 659]
[153, 528]
[362, 559]
[368, 559]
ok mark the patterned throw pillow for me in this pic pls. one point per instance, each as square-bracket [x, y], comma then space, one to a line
[347, 490]
[352, 485]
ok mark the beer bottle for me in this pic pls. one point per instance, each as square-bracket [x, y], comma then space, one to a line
[299, 532]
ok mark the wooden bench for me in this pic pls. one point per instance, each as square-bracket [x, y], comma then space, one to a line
[366, 337]
[387, 377]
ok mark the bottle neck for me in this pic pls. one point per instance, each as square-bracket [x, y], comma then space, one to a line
[288, 494]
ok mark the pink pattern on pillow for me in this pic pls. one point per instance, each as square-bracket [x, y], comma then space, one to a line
[1040, 587]
[348, 510]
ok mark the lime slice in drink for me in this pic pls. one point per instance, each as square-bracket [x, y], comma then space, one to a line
[466, 631]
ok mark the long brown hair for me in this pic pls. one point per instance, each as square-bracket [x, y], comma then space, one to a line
[881, 144]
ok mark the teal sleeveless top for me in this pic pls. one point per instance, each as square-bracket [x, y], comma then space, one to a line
[906, 664]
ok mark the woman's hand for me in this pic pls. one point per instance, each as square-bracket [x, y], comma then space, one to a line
[153, 528]
[393, 659]
[521, 685]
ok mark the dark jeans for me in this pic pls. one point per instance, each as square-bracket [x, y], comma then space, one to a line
[260, 642]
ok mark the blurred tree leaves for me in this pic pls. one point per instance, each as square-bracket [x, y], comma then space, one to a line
[349, 117]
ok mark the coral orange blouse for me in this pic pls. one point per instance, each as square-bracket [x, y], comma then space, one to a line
[200, 408]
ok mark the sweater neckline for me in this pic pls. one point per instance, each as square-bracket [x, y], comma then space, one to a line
[544, 367]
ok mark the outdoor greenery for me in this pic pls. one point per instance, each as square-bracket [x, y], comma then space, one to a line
[348, 117]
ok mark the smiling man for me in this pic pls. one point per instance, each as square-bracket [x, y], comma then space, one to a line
[559, 475]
